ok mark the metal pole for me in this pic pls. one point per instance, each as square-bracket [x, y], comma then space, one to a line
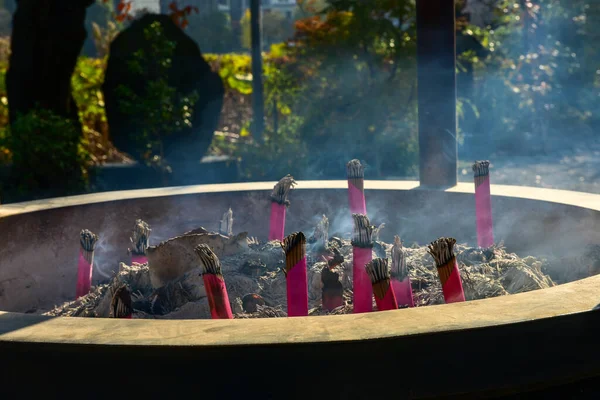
[436, 72]
[258, 122]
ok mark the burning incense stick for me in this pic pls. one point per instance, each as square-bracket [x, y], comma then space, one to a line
[442, 251]
[333, 290]
[86, 261]
[319, 239]
[214, 283]
[226, 224]
[121, 305]
[279, 202]
[294, 246]
[400, 278]
[483, 204]
[140, 242]
[362, 245]
[356, 189]
[379, 273]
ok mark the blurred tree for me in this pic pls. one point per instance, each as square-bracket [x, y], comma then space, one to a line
[212, 32]
[275, 29]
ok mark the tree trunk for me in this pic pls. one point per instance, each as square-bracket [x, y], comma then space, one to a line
[46, 40]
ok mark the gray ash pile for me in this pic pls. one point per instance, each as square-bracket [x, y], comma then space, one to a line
[170, 285]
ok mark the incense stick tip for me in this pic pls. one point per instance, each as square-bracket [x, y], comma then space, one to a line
[282, 189]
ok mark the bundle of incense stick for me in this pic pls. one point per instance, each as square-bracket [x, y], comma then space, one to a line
[379, 273]
[333, 290]
[226, 224]
[85, 265]
[442, 251]
[362, 247]
[140, 242]
[279, 202]
[121, 305]
[400, 279]
[294, 247]
[483, 204]
[218, 299]
[356, 187]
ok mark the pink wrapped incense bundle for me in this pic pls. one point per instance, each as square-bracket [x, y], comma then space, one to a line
[400, 278]
[333, 290]
[279, 202]
[226, 224]
[362, 253]
[218, 300]
[86, 263]
[121, 305]
[140, 242]
[442, 251]
[483, 204]
[294, 247]
[356, 188]
[379, 273]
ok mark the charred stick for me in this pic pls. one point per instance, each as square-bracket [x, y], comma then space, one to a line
[121, 305]
[226, 224]
[87, 241]
[294, 247]
[483, 204]
[442, 251]
[400, 279]
[362, 247]
[356, 189]
[379, 274]
[279, 202]
[216, 291]
[140, 242]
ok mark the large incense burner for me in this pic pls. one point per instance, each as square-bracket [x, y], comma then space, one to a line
[549, 230]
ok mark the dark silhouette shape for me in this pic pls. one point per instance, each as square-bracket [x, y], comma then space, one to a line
[189, 72]
[46, 40]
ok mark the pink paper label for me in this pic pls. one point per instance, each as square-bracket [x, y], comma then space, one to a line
[361, 283]
[388, 302]
[140, 259]
[356, 198]
[84, 276]
[403, 292]
[297, 290]
[483, 214]
[453, 289]
[218, 299]
[277, 223]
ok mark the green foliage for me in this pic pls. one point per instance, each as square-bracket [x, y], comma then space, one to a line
[160, 110]
[48, 158]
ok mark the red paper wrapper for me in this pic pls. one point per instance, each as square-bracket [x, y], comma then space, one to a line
[277, 225]
[356, 198]
[84, 275]
[331, 302]
[388, 302]
[361, 283]
[140, 259]
[297, 290]
[483, 213]
[403, 292]
[452, 288]
[217, 297]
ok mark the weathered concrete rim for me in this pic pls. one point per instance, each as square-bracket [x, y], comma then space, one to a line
[579, 296]
[575, 297]
[566, 197]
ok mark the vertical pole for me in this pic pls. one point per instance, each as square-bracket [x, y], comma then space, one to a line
[258, 110]
[436, 74]
[235, 14]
